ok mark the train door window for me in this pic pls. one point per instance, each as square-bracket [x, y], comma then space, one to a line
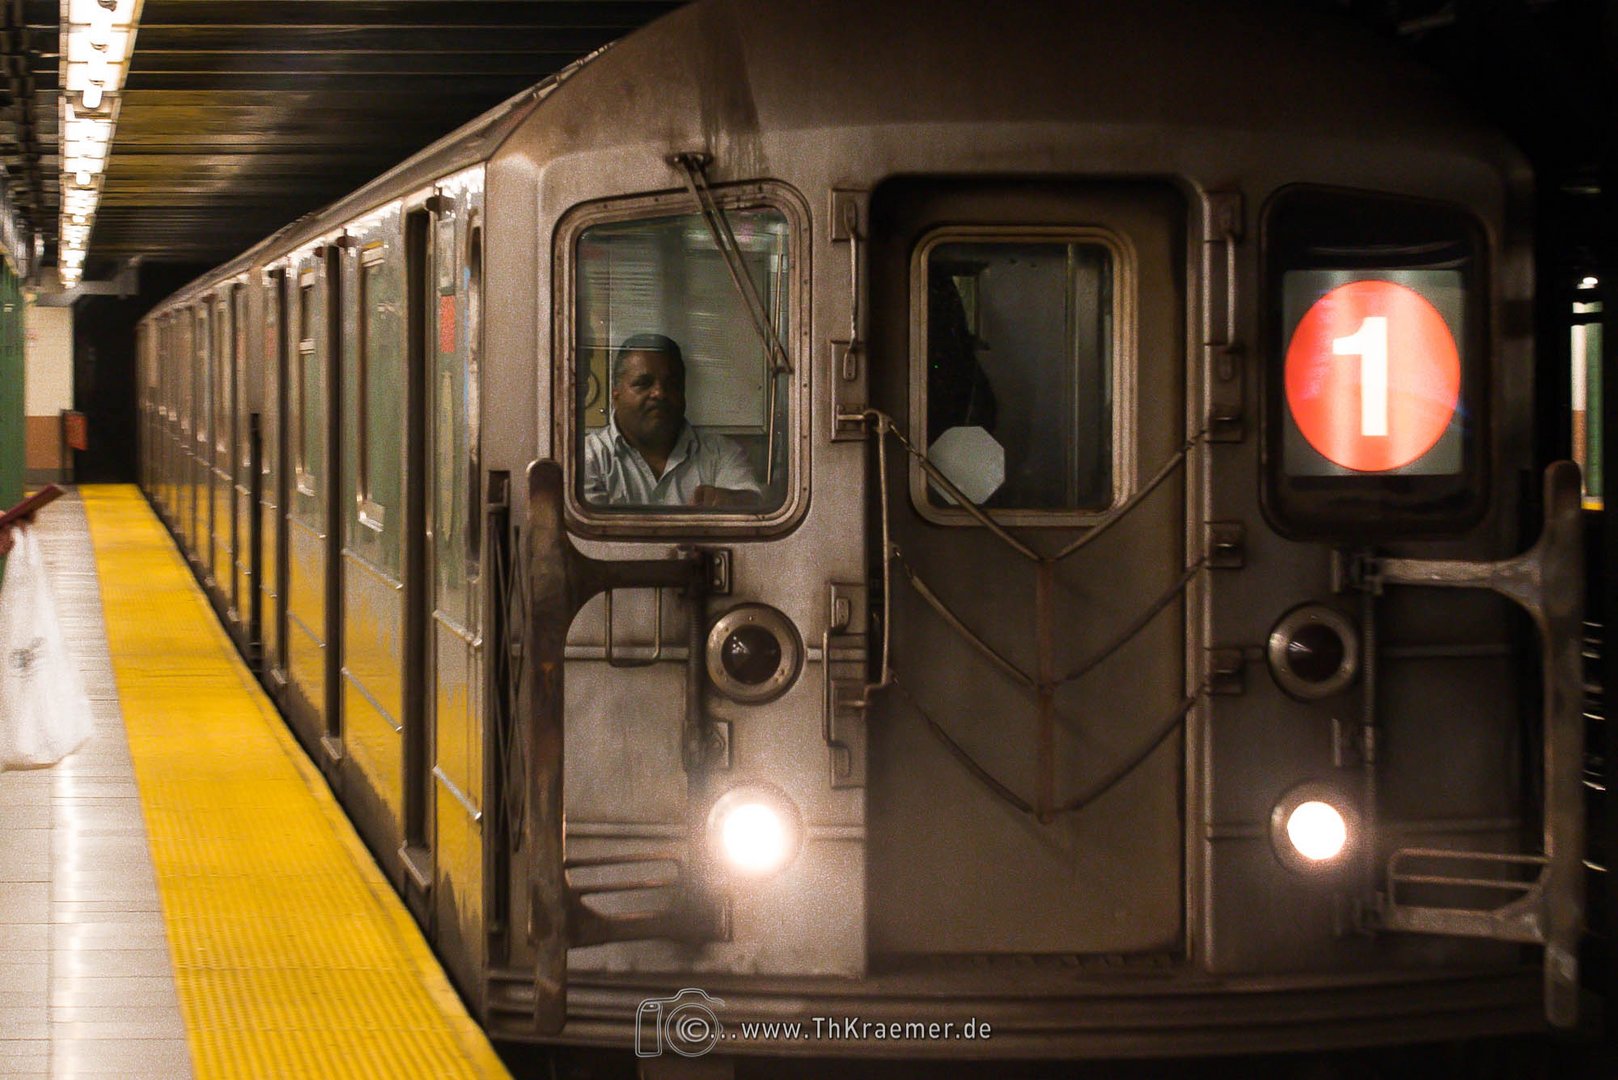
[1013, 371]
[304, 391]
[192, 374]
[679, 407]
[180, 356]
[238, 322]
[203, 343]
[274, 360]
[377, 387]
[474, 351]
[453, 349]
[1585, 349]
[1375, 406]
[224, 370]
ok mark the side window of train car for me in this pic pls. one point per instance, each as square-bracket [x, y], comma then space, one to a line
[305, 394]
[203, 343]
[1375, 408]
[186, 375]
[238, 321]
[1013, 370]
[679, 409]
[377, 419]
[224, 382]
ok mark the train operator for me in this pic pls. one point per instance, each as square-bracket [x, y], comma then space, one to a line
[647, 455]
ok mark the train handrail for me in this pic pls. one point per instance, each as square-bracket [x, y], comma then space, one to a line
[561, 581]
[1546, 581]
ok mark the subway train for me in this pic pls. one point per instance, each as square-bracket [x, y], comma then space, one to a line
[847, 529]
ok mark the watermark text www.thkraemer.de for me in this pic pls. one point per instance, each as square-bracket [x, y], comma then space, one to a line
[688, 1023]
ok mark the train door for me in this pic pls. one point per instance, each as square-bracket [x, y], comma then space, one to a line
[196, 408]
[224, 451]
[165, 447]
[143, 406]
[243, 512]
[310, 518]
[179, 375]
[1028, 338]
[380, 677]
[447, 810]
[173, 376]
[273, 492]
[207, 428]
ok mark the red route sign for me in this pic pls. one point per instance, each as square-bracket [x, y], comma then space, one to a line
[1373, 376]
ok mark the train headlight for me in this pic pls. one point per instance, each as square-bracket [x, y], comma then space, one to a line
[754, 831]
[1313, 828]
[1314, 652]
[754, 653]
[1317, 830]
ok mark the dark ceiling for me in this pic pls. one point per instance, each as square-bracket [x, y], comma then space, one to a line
[240, 115]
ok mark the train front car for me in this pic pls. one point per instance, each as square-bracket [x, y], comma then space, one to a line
[1020, 556]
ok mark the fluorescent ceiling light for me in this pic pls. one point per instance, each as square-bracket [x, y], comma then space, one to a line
[97, 40]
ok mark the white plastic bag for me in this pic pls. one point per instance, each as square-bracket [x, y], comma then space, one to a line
[44, 712]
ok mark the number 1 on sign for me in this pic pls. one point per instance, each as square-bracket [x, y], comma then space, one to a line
[1370, 344]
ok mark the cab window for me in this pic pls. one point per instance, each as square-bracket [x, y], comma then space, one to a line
[679, 408]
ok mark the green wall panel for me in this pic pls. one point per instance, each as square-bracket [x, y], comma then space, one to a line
[11, 390]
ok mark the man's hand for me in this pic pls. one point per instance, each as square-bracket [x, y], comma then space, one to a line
[707, 495]
[8, 534]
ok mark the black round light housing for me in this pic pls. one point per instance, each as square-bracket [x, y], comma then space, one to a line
[751, 654]
[1314, 652]
[1315, 830]
[754, 653]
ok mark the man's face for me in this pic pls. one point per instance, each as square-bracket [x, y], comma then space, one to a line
[648, 399]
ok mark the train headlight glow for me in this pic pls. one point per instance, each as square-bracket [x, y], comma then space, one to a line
[1314, 829]
[754, 838]
[754, 831]
[1317, 831]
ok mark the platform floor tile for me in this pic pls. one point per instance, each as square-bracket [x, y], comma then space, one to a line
[86, 987]
[183, 897]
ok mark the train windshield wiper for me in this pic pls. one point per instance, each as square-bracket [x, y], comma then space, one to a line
[693, 167]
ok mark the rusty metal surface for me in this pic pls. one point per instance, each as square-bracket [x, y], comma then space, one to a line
[561, 582]
[1547, 581]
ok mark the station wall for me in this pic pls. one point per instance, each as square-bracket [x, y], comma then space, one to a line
[48, 353]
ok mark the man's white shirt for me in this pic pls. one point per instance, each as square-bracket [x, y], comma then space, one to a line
[615, 474]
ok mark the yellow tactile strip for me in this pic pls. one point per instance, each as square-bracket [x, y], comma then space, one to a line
[292, 956]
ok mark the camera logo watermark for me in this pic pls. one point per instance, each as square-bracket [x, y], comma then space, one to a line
[684, 1023]
[687, 1023]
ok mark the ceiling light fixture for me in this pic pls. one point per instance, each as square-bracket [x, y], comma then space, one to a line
[97, 42]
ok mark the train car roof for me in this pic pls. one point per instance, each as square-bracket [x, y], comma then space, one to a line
[716, 74]
[467, 145]
[723, 71]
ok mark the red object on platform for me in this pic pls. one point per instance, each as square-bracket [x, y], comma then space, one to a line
[78, 430]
